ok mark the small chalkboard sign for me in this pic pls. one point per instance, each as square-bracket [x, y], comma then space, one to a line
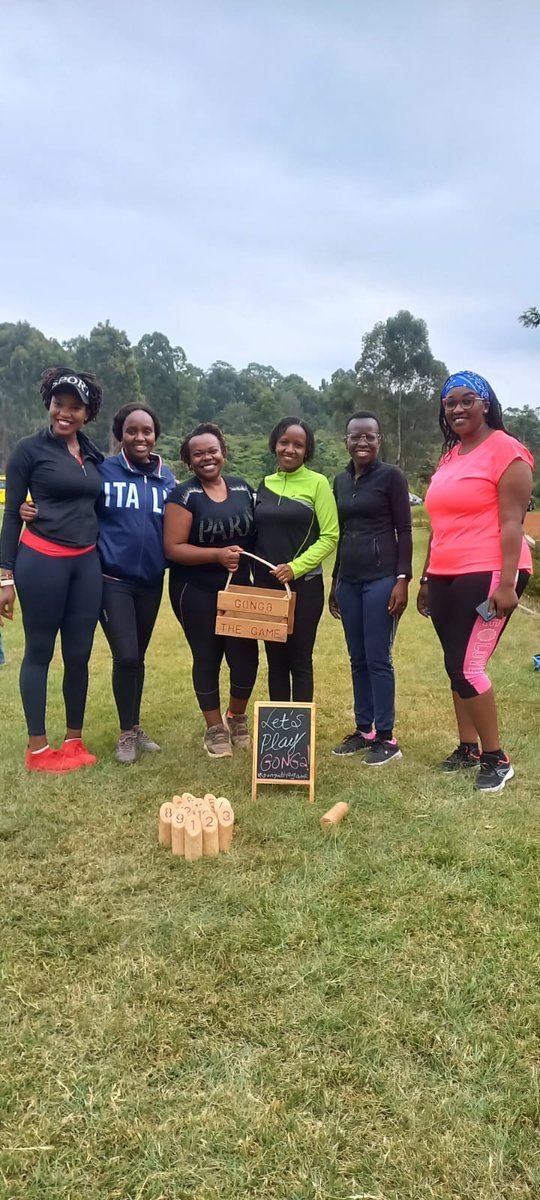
[284, 745]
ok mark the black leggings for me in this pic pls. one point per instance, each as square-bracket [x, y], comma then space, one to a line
[128, 615]
[56, 595]
[290, 663]
[467, 640]
[195, 609]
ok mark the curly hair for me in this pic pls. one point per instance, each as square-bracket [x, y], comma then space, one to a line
[204, 427]
[120, 417]
[95, 391]
[285, 424]
[494, 418]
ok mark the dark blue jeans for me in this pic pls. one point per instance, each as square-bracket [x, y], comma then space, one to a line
[370, 632]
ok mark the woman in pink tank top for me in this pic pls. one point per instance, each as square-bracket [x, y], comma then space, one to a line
[478, 562]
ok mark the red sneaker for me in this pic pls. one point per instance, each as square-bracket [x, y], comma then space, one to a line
[75, 749]
[52, 761]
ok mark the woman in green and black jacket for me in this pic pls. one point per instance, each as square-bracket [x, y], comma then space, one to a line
[296, 527]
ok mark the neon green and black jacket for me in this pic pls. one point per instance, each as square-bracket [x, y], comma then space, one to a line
[296, 522]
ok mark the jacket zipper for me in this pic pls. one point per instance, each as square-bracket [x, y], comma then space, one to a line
[145, 495]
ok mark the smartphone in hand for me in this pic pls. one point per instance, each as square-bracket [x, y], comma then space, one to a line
[484, 612]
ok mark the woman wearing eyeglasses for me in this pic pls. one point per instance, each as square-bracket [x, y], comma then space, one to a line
[476, 501]
[370, 583]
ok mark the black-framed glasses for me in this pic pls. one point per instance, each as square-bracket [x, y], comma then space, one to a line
[355, 439]
[465, 402]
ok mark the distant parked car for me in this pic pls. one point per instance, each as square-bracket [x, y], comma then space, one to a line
[414, 499]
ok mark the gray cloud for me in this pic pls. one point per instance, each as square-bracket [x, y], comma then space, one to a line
[266, 180]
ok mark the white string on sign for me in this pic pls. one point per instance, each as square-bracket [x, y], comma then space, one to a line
[264, 563]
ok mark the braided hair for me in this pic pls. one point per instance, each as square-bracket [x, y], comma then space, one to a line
[494, 415]
[52, 374]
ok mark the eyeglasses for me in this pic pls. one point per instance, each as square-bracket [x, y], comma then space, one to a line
[356, 439]
[464, 402]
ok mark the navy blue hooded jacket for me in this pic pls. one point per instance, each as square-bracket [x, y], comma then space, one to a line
[130, 518]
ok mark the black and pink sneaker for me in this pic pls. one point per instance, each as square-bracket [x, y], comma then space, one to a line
[466, 755]
[354, 743]
[495, 770]
[382, 752]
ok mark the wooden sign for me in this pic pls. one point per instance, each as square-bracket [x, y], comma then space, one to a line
[284, 745]
[250, 612]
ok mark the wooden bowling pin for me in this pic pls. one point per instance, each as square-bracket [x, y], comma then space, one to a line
[210, 833]
[177, 831]
[334, 815]
[165, 815]
[193, 839]
[225, 818]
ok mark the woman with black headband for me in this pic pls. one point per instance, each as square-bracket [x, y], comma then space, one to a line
[55, 566]
[130, 545]
[478, 562]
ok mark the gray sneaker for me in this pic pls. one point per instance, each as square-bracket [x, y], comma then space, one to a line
[217, 742]
[144, 742]
[126, 748]
[238, 729]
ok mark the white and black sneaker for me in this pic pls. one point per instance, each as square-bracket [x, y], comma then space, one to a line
[382, 752]
[354, 743]
[495, 770]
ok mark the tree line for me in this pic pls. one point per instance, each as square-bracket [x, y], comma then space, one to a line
[396, 376]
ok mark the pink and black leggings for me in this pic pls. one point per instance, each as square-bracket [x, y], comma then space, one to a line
[467, 640]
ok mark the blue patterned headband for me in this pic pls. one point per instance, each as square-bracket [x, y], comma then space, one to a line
[469, 379]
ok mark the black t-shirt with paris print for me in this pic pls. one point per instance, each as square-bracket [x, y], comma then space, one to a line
[214, 526]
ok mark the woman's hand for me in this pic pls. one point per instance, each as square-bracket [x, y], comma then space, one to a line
[399, 598]
[283, 573]
[229, 557]
[28, 511]
[333, 604]
[503, 600]
[422, 600]
[7, 602]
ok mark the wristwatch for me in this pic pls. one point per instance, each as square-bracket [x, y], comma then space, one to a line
[423, 579]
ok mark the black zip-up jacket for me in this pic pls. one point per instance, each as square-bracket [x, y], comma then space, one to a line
[64, 491]
[374, 513]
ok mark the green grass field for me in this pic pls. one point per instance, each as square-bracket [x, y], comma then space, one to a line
[312, 1017]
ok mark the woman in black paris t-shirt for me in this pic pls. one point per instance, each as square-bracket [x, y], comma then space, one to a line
[208, 521]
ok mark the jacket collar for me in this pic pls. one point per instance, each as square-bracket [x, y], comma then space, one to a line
[367, 471]
[155, 459]
[292, 474]
[88, 448]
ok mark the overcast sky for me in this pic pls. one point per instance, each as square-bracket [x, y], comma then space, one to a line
[262, 180]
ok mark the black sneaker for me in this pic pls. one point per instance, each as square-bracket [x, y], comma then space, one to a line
[354, 743]
[467, 754]
[494, 772]
[381, 753]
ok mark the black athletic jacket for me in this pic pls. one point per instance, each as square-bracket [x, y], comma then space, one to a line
[374, 522]
[64, 492]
